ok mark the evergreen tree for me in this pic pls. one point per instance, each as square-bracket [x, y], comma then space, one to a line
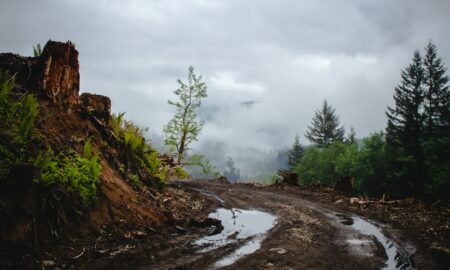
[436, 125]
[295, 153]
[436, 95]
[404, 131]
[230, 172]
[325, 127]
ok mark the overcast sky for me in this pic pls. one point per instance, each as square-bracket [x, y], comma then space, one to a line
[268, 64]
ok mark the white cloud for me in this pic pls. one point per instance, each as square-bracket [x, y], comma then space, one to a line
[287, 56]
[313, 62]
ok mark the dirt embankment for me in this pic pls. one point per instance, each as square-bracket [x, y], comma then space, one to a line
[47, 228]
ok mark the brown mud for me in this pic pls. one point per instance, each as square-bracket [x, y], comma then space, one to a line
[308, 234]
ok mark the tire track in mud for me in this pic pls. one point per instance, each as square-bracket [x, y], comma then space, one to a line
[329, 237]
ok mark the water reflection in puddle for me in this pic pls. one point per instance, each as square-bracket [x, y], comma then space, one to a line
[397, 258]
[251, 225]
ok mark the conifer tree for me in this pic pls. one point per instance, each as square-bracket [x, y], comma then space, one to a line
[404, 130]
[436, 95]
[325, 127]
[436, 125]
[231, 173]
[295, 153]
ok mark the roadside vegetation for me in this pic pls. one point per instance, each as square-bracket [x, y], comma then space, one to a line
[24, 148]
[185, 127]
[141, 164]
[410, 158]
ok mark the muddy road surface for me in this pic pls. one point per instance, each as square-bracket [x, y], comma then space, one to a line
[269, 229]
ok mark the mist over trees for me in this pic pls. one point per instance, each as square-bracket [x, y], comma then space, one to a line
[230, 172]
[411, 158]
[295, 153]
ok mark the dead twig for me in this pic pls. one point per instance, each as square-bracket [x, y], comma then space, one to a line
[79, 255]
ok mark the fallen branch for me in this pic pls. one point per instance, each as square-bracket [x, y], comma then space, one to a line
[79, 255]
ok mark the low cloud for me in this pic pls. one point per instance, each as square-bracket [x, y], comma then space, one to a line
[268, 64]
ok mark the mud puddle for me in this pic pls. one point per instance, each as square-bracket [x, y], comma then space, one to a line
[397, 257]
[247, 226]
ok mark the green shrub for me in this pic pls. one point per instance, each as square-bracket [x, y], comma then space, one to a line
[17, 116]
[78, 174]
[318, 165]
[153, 167]
[180, 173]
[17, 121]
[135, 181]
[137, 152]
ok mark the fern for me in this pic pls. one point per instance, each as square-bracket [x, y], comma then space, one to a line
[37, 50]
[87, 149]
[79, 175]
[27, 111]
[135, 181]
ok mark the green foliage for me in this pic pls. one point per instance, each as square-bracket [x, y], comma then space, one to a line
[437, 151]
[436, 95]
[418, 122]
[37, 50]
[153, 167]
[268, 179]
[208, 170]
[295, 153]
[366, 163]
[18, 116]
[180, 173]
[27, 111]
[135, 181]
[138, 154]
[318, 165]
[77, 174]
[17, 121]
[184, 128]
[117, 123]
[324, 128]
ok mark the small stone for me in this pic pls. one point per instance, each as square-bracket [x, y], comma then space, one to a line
[48, 263]
[280, 251]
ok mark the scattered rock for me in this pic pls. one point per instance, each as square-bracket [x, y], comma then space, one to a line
[280, 251]
[48, 263]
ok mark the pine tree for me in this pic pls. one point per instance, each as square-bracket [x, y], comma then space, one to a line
[325, 127]
[436, 94]
[231, 173]
[436, 125]
[404, 130]
[295, 153]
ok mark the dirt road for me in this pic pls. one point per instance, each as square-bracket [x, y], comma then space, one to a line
[309, 232]
[307, 235]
